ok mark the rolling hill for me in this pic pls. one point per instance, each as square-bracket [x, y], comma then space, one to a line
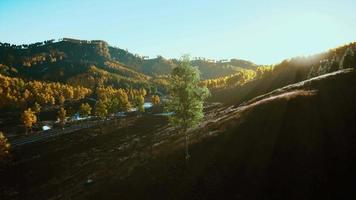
[287, 133]
[289, 72]
[84, 62]
[295, 142]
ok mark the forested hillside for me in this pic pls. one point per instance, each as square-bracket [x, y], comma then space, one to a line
[287, 72]
[90, 63]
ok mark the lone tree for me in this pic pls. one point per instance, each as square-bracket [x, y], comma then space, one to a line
[186, 98]
[29, 118]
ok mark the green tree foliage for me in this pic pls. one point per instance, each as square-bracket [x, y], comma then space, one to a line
[186, 98]
[348, 60]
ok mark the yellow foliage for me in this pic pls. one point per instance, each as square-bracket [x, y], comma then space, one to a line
[4, 147]
[29, 118]
[155, 99]
[14, 92]
[62, 115]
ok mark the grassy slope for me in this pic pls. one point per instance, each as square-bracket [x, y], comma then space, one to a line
[295, 143]
[300, 144]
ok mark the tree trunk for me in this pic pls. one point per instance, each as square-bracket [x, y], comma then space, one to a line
[187, 155]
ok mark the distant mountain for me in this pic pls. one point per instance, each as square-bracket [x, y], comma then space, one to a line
[72, 60]
[69, 61]
[161, 66]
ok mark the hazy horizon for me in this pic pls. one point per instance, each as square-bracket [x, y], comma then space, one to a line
[264, 33]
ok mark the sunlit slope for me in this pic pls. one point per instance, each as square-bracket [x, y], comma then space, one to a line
[289, 72]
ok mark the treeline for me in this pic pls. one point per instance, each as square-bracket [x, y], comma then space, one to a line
[335, 59]
[109, 101]
[17, 93]
[290, 71]
[238, 79]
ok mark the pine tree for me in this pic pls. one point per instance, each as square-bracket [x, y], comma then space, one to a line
[186, 98]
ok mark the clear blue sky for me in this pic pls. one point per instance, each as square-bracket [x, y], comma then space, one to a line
[264, 32]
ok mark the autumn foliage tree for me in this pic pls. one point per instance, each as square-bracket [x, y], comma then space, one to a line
[16, 93]
[62, 116]
[4, 148]
[140, 100]
[85, 110]
[115, 100]
[29, 119]
[155, 99]
[37, 109]
[100, 109]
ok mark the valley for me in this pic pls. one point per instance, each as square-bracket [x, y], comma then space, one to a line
[111, 134]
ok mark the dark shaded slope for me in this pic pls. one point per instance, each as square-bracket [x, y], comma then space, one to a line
[296, 144]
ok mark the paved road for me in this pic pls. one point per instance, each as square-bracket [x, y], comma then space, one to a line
[44, 135]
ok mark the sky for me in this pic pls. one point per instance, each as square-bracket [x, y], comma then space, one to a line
[262, 31]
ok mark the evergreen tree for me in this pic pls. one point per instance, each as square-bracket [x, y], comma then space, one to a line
[186, 98]
[348, 59]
